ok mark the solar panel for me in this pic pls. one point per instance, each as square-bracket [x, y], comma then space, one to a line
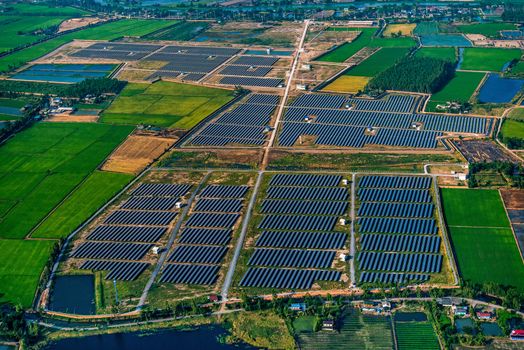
[386, 195]
[292, 258]
[426, 263]
[388, 277]
[219, 205]
[140, 217]
[398, 225]
[407, 210]
[400, 243]
[313, 240]
[161, 190]
[212, 220]
[280, 206]
[245, 81]
[205, 236]
[286, 278]
[306, 180]
[126, 233]
[262, 99]
[118, 270]
[111, 250]
[255, 61]
[150, 203]
[412, 182]
[223, 191]
[190, 274]
[198, 254]
[311, 193]
[298, 222]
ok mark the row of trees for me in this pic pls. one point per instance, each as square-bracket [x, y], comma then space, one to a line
[97, 86]
[418, 74]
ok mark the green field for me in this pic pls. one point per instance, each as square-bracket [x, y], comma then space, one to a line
[40, 166]
[490, 30]
[180, 31]
[165, 104]
[378, 62]
[98, 188]
[365, 39]
[443, 53]
[21, 263]
[488, 59]
[304, 324]
[483, 241]
[107, 31]
[416, 335]
[460, 89]
[357, 331]
[513, 128]
[426, 28]
[18, 31]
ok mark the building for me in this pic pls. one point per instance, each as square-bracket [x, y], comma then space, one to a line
[328, 325]
[482, 315]
[517, 334]
[298, 307]
[460, 311]
[449, 301]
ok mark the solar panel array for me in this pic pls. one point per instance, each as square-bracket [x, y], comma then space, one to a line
[203, 241]
[189, 62]
[334, 120]
[299, 215]
[252, 81]
[244, 125]
[398, 233]
[128, 233]
[117, 51]
[250, 71]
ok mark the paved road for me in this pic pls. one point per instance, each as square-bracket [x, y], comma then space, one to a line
[352, 250]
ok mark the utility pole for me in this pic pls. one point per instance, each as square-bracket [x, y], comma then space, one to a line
[116, 291]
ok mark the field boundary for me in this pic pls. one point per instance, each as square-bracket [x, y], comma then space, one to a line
[511, 226]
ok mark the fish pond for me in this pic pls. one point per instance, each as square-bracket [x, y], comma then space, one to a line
[64, 73]
[455, 40]
[73, 294]
[497, 89]
[204, 337]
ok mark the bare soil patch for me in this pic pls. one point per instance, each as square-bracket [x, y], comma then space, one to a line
[74, 23]
[513, 199]
[137, 152]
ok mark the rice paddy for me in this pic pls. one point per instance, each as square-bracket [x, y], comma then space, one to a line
[378, 62]
[347, 84]
[153, 104]
[404, 29]
[488, 59]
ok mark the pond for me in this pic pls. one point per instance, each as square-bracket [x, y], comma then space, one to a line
[64, 73]
[205, 337]
[73, 294]
[410, 317]
[497, 89]
[462, 324]
[11, 111]
[7, 347]
[444, 40]
[491, 329]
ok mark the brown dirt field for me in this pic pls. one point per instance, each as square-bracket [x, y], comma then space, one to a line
[66, 118]
[74, 23]
[513, 199]
[136, 153]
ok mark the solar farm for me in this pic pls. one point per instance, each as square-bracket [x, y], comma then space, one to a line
[398, 234]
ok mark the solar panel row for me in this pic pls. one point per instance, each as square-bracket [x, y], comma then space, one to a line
[298, 222]
[161, 190]
[247, 81]
[385, 195]
[398, 225]
[282, 206]
[205, 236]
[298, 239]
[427, 263]
[406, 210]
[111, 250]
[219, 205]
[140, 217]
[255, 60]
[387, 277]
[190, 274]
[247, 71]
[311, 193]
[286, 278]
[412, 182]
[212, 220]
[118, 270]
[400, 243]
[306, 180]
[428, 122]
[355, 136]
[263, 99]
[292, 258]
[223, 191]
[150, 203]
[126, 233]
[198, 254]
